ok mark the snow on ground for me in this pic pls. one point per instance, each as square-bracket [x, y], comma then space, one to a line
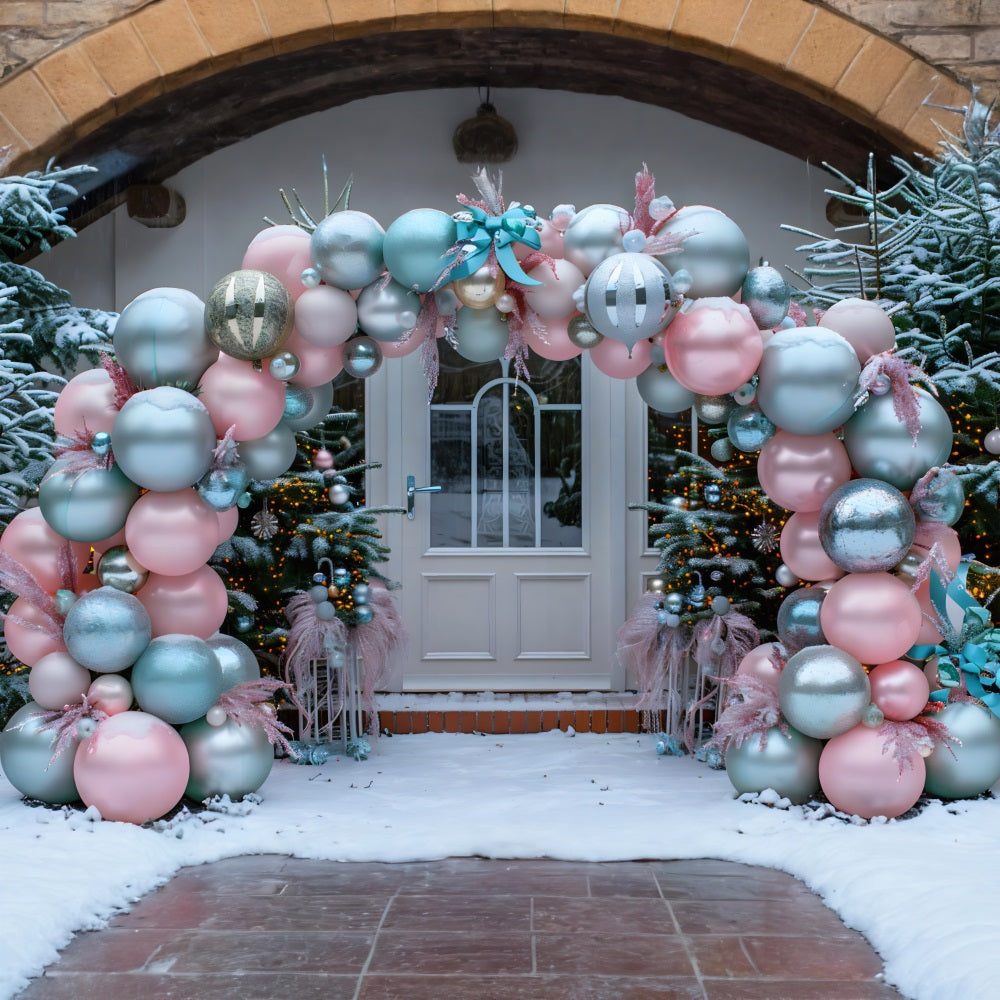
[922, 890]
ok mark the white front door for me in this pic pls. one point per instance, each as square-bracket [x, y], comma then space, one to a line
[514, 573]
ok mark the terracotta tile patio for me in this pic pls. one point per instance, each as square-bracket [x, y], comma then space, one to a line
[265, 927]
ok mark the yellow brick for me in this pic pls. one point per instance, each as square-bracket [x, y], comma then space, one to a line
[176, 45]
[528, 13]
[296, 25]
[124, 64]
[770, 31]
[590, 15]
[873, 73]
[648, 20]
[826, 50]
[361, 17]
[75, 86]
[234, 30]
[31, 112]
[707, 25]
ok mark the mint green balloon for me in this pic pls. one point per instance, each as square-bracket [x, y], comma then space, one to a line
[25, 751]
[178, 678]
[416, 247]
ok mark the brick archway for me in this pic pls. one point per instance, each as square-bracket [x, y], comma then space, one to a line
[175, 79]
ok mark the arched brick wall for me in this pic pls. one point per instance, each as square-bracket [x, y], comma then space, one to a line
[163, 82]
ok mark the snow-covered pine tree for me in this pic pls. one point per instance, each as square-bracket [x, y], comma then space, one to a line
[928, 247]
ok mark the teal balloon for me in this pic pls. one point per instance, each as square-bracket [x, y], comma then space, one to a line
[298, 402]
[973, 766]
[416, 247]
[178, 678]
[228, 760]
[86, 506]
[787, 763]
[236, 660]
[480, 334]
[25, 751]
[749, 429]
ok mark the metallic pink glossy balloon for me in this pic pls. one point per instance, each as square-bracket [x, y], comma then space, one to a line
[611, 357]
[900, 689]
[283, 251]
[863, 324]
[57, 680]
[133, 769]
[713, 347]
[172, 533]
[799, 471]
[858, 777]
[28, 540]
[236, 394]
[801, 549]
[758, 663]
[872, 616]
[194, 604]
[29, 643]
[86, 402]
[555, 344]
[111, 693]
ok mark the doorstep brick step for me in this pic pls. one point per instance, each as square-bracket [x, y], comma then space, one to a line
[513, 722]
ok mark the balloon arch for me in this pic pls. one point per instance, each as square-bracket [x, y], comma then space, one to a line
[152, 474]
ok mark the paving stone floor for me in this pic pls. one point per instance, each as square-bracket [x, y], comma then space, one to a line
[268, 927]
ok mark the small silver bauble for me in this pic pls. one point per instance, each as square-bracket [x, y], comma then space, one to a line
[362, 357]
[361, 593]
[118, 568]
[283, 366]
[582, 334]
[673, 602]
[339, 493]
[325, 611]
[766, 295]
[713, 410]
[100, 444]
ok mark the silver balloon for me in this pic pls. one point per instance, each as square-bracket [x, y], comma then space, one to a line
[387, 310]
[178, 678]
[766, 295]
[284, 365]
[25, 751]
[627, 297]
[346, 249]
[416, 247]
[798, 619]
[86, 506]
[228, 760]
[807, 380]
[716, 254]
[945, 500]
[581, 334]
[249, 314]
[787, 763]
[662, 392]
[119, 569]
[221, 489]
[713, 410]
[785, 577]
[880, 446]
[823, 691]
[164, 439]
[362, 357]
[594, 234]
[160, 338]
[866, 526]
[236, 660]
[749, 429]
[480, 334]
[975, 766]
[320, 401]
[269, 456]
[106, 630]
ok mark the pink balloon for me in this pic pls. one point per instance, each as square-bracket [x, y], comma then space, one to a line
[900, 689]
[858, 777]
[930, 532]
[133, 769]
[554, 298]
[872, 616]
[111, 693]
[236, 394]
[28, 540]
[194, 604]
[611, 357]
[400, 348]
[29, 643]
[863, 324]
[282, 251]
[57, 680]
[86, 403]
[316, 364]
[799, 472]
[325, 316]
[713, 347]
[172, 533]
[552, 239]
[758, 663]
[929, 634]
[801, 550]
[555, 345]
[229, 521]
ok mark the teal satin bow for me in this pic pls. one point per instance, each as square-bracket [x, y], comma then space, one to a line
[482, 231]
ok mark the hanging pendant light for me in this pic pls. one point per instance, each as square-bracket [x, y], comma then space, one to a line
[486, 137]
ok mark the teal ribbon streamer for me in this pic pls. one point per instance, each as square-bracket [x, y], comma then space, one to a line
[972, 643]
[500, 232]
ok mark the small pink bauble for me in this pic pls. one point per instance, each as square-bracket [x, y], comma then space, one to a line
[900, 689]
[133, 769]
[237, 395]
[713, 347]
[193, 604]
[323, 459]
[799, 472]
[758, 663]
[57, 680]
[858, 777]
[111, 693]
[172, 533]
[611, 357]
[801, 550]
[872, 616]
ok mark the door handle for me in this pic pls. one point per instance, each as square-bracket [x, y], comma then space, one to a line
[412, 489]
